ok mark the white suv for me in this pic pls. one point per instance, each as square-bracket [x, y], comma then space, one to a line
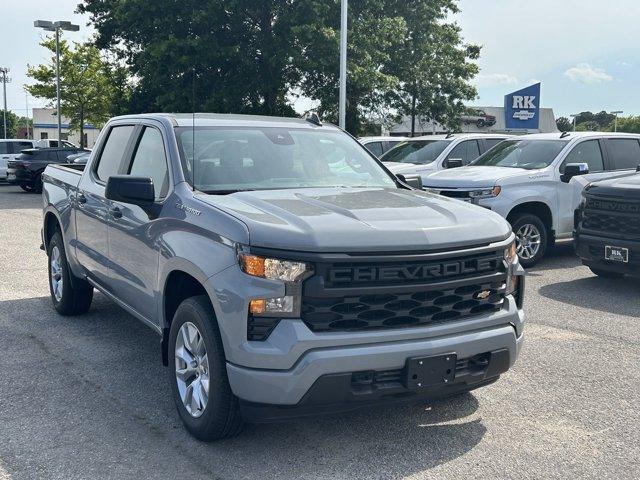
[425, 155]
[536, 181]
[9, 150]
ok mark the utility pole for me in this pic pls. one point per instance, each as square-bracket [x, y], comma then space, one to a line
[5, 80]
[56, 27]
[26, 115]
[343, 64]
[573, 116]
[615, 120]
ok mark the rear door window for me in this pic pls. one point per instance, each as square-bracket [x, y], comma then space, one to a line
[625, 153]
[17, 147]
[4, 148]
[112, 155]
[492, 142]
[586, 152]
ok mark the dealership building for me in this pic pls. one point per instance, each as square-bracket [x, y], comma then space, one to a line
[520, 114]
[45, 126]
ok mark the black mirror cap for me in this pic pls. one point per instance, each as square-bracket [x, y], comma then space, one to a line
[414, 181]
[454, 163]
[638, 168]
[128, 189]
[573, 170]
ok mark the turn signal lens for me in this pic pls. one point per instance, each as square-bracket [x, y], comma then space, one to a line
[252, 265]
[257, 307]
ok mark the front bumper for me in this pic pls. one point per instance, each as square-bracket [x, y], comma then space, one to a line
[299, 386]
[591, 248]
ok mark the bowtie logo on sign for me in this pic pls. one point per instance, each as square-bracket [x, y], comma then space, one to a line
[522, 108]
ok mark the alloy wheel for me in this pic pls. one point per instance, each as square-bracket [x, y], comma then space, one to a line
[57, 282]
[528, 241]
[192, 369]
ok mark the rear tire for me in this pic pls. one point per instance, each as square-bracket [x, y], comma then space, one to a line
[606, 273]
[26, 188]
[67, 298]
[206, 405]
[37, 184]
[532, 238]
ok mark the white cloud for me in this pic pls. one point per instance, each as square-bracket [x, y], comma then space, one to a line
[585, 73]
[494, 79]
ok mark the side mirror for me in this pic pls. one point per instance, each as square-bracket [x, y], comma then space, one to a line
[638, 168]
[414, 181]
[453, 163]
[573, 170]
[127, 189]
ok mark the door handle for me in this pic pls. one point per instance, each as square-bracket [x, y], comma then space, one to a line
[115, 212]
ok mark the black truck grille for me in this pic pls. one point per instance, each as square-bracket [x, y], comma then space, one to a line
[612, 218]
[394, 295]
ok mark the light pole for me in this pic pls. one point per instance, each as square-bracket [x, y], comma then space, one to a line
[56, 27]
[615, 120]
[342, 107]
[574, 120]
[5, 80]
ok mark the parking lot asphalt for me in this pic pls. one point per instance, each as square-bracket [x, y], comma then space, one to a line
[87, 397]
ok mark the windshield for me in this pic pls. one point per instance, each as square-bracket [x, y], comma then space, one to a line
[232, 159]
[416, 151]
[527, 154]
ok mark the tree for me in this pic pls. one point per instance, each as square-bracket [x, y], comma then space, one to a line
[86, 87]
[433, 66]
[564, 124]
[628, 124]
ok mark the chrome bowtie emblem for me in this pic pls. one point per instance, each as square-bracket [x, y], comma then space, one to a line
[483, 295]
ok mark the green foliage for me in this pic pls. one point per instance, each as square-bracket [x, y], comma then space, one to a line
[14, 124]
[249, 56]
[592, 122]
[628, 124]
[564, 124]
[91, 89]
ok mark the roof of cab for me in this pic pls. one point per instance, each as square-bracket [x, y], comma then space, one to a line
[228, 120]
[573, 135]
[453, 136]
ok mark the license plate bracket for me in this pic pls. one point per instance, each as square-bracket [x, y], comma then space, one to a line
[616, 254]
[423, 372]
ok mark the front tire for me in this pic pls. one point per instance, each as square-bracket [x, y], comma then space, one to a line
[67, 298]
[532, 238]
[198, 374]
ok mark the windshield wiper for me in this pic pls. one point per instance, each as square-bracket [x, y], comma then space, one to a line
[227, 192]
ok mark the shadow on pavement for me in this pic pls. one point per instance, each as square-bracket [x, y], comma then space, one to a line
[98, 378]
[13, 197]
[604, 295]
[560, 257]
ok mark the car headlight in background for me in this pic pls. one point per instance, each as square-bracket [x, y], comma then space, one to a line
[289, 272]
[511, 259]
[485, 192]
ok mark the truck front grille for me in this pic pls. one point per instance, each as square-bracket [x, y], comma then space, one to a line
[426, 307]
[612, 218]
[351, 296]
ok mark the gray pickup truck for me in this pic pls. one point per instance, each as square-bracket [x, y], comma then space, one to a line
[287, 272]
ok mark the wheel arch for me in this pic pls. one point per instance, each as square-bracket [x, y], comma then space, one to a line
[537, 208]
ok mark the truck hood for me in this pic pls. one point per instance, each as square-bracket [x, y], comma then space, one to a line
[359, 219]
[473, 176]
[397, 167]
[627, 188]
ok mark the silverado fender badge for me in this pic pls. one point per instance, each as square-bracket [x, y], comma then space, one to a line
[190, 210]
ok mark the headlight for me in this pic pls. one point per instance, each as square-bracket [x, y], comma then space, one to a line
[485, 192]
[272, 268]
[511, 259]
[289, 272]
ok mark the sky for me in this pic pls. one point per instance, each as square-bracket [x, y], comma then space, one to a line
[585, 52]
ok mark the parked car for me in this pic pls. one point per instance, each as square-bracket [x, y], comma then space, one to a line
[536, 181]
[607, 227]
[287, 272]
[380, 145]
[425, 155]
[79, 158]
[54, 143]
[10, 149]
[478, 117]
[26, 170]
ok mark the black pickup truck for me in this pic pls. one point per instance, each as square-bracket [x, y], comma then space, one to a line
[607, 227]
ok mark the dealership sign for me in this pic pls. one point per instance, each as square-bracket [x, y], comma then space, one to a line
[522, 108]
